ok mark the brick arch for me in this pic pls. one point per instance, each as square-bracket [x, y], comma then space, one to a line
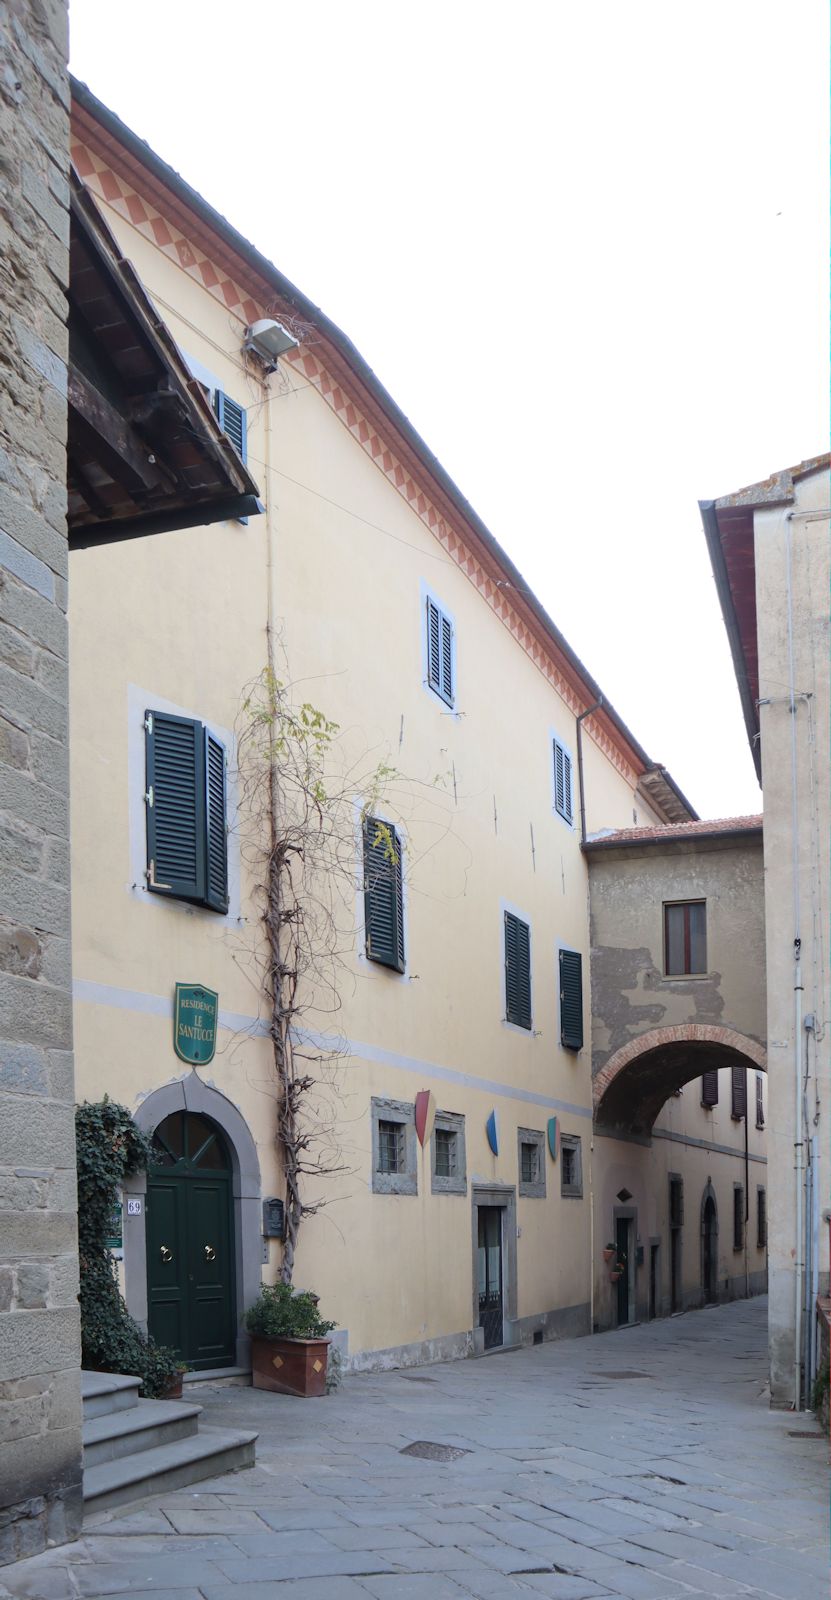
[634, 1083]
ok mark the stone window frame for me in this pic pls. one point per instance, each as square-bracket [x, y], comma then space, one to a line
[451, 1122]
[403, 1112]
[572, 1191]
[531, 1189]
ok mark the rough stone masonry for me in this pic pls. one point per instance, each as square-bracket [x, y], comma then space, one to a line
[40, 1408]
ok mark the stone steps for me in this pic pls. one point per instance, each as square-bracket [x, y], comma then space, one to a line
[134, 1448]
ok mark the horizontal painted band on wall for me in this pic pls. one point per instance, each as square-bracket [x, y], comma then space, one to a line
[737, 1151]
[156, 1005]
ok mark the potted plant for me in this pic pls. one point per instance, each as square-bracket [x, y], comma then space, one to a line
[173, 1390]
[618, 1266]
[608, 1253]
[289, 1347]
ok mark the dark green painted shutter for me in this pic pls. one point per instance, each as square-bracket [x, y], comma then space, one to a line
[517, 971]
[709, 1088]
[175, 805]
[439, 652]
[383, 894]
[571, 999]
[233, 420]
[562, 782]
[216, 815]
[739, 1095]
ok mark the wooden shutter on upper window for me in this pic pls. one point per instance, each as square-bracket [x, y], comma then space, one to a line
[760, 1101]
[217, 824]
[709, 1088]
[175, 805]
[233, 420]
[739, 1092]
[562, 781]
[439, 652]
[517, 971]
[571, 999]
[383, 894]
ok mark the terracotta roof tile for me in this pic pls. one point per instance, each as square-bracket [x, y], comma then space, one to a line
[675, 830]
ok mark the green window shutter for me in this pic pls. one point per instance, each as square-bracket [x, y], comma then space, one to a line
[233, 420]
[738, 1107]
[571, 999]
[517, 971]
[709, 1087]
[175, 805]
[439, 652]
[562, 782]
[383, 894]
[216, 844]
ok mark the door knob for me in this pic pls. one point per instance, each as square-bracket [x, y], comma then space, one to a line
[210, 1253]
[166, 1255]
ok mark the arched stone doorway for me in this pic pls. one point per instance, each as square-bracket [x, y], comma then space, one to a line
[709, 1246]
[236, 1147]
[631, 1087]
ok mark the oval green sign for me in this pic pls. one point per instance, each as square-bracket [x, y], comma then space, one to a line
[194, 1023]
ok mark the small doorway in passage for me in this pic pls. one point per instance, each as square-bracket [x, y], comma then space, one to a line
[623, 1247]
[489, 1274]
[709, 1247]
[654, 1279]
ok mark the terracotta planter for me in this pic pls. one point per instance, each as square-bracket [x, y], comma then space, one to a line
[174, 1388]
[615, 1276]
[290, 1366]
[608, 1255]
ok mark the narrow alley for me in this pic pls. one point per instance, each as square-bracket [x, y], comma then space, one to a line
[644, 1463]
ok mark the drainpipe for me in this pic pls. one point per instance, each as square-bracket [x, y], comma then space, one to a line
[799, 1148]
[580, 720]
[746, 1191]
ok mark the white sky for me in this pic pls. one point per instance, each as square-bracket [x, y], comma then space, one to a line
[584, 246]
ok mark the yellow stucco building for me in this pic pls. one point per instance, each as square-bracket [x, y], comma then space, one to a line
[463, 960]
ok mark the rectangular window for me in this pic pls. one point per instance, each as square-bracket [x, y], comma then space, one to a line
[760, 1100]
[394, 1161]
[517, 971]
[449, 1174]
[531, 1162]
[685, 938]
[571, 999]
[383, 894]
[761, 1219]
[709, 1088]
[676, 1202]
[528, 1171]
[738, 1093]
[571, 1166]
[440, 662]
[563, 802]
[186, 807]
[738, 1216]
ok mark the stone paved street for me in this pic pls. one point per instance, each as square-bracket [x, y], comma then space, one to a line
[644, 1464]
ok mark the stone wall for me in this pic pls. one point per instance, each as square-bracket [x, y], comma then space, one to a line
[40, 1441]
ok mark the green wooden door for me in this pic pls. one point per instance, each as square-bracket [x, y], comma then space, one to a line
[190, 1267]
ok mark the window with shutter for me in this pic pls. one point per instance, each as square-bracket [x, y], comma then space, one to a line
[517, 971]
[738, 1216]
[571, 1167]
[761, 1219]
[233, 420]
[676, 1201]
[563, 802]
[709, 1088]
[440, 663]
[383, 894]
[760, 1101]
[571, 999]
[186, 806]
[738, 1107]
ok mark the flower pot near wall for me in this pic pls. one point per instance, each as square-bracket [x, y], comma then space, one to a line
[608, 1255]
[615, 1276]
[290, 1366]
[174, 1388]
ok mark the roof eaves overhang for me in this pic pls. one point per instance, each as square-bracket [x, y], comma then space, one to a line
[750, 711]
[264, 281]
[684, 844]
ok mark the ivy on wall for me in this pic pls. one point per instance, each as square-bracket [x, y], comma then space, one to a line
[111, 1148]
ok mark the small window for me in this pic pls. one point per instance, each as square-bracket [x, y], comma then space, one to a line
[738, 1093]
[760, 1102]
[563, 802]
[186, 809]
[761, 1219]
[571, 1166]
[393, 1147]
[676, 1201]
[738, 1216]
[709, 1088]
[517, 971]
[449, 1173]
[440, 662]
[685, 939]
[531, 1162]
[383, 894]
[571, 999]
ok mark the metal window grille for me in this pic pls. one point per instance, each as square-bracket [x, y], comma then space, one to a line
[567, 1157]
[390, 1146]
[530, 1162]
[571, 1166]
[445, 1153]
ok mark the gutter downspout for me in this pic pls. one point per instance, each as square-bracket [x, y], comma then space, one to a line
[799, 1149]
[580, 720]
